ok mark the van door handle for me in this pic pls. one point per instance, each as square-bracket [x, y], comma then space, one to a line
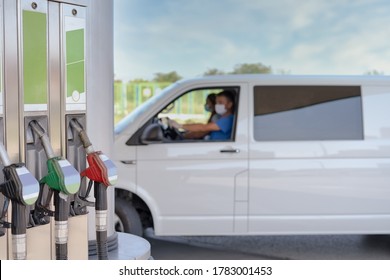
[233, 151]
[133, 162]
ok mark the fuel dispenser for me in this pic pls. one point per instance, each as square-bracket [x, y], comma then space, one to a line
[102, 173]
[73, 33]
[32, 42]
[62, 179]
[48, 52]
[22, 189]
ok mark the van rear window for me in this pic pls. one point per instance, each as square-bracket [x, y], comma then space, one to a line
[288, 113]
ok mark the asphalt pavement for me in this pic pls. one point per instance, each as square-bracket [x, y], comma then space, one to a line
[316, 247]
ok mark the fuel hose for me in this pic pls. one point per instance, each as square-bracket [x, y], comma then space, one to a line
[98, 173]
[64, 180]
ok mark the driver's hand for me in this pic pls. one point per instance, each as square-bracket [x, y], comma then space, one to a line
[174, 124]
[164, 123]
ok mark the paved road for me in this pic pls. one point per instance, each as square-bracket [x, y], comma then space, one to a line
[327, 247]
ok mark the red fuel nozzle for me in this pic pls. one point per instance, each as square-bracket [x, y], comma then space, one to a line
[101, 169]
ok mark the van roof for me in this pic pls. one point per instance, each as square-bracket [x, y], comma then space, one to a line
[294, 79]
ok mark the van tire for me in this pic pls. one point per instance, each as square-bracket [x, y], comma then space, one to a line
[129, 219]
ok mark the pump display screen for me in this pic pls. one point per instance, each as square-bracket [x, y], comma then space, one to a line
[30, 185]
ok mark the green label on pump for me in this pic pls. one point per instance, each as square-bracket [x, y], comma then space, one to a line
[74, 35]
[34, 60]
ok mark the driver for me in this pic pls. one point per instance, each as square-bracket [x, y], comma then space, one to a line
[222, 128]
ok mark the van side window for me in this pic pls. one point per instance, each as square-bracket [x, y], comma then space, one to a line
[189, 107]
[198, 107]
[293, 113]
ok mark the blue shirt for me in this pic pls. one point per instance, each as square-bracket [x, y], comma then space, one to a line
[225, 124]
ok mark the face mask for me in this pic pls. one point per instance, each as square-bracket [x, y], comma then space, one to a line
[207, 108]
[220, 109]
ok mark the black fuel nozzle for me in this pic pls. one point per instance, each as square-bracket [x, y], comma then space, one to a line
[20, 185]
[23, 190]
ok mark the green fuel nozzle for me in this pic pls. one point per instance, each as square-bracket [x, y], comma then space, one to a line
[62, 176]
[62, 179]
[23, 190]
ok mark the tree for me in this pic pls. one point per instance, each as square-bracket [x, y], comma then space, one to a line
[283, 72]
[166, 77]
[252, 68]
[213, 71]
[374, 72]
[138, 80]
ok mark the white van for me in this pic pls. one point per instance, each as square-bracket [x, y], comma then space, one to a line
[307, 155]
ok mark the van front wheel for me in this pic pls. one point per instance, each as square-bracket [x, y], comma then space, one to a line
[127, 218]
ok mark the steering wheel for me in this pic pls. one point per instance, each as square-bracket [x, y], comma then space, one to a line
[169, 132]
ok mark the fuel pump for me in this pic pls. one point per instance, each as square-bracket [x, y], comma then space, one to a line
[102, 173]
[62, 179]
[22, 189]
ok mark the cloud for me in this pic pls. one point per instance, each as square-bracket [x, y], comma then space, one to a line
[304, 37]
[348, 39]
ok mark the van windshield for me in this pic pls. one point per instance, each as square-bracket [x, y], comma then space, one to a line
[144, 107]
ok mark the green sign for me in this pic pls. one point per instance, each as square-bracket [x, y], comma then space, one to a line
[35, 60]
[75, 63]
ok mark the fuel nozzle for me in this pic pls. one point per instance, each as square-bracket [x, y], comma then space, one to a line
[25, 187]
[23, 190]
[103, 173]
[100, 168]
[62, 176]
[62, 179]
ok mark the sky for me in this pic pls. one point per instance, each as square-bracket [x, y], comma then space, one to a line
[295, 36]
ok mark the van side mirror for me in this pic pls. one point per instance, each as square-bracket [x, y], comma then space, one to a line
[152, 134]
